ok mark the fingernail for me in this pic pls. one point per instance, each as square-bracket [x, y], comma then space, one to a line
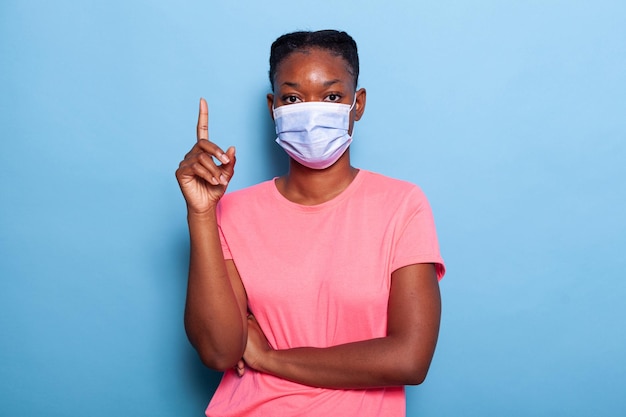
[214, 181]
[224, 158]
[223, 180]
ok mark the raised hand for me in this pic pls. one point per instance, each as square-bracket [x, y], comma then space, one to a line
[202, 180]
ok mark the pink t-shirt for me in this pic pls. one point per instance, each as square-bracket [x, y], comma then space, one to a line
[320, 276]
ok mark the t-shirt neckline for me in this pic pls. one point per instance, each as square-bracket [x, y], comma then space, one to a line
[349, 190]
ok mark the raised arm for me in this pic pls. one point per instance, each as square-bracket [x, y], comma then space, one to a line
[402, 357]
[215, 311]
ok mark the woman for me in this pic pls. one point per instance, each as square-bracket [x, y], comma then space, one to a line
[316, 292]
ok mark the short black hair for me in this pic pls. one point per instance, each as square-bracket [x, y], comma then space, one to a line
[334, 41]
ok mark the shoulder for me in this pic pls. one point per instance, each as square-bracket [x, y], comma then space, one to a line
[247, 194]
[243, 200]
[392, 189]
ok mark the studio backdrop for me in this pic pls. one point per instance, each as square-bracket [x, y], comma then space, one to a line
[509, 115]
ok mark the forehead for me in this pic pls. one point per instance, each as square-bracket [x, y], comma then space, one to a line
[311, 65]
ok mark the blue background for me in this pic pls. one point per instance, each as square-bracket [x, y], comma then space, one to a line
[510, 116]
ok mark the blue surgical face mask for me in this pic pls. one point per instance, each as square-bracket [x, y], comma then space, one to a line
[314, 133]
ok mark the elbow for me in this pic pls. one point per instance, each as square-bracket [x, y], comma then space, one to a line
[413, 362]
[413, 372]
[413, 376]
[217, 356]
[218, 362]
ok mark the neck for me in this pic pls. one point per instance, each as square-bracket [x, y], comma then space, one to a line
[310, 187]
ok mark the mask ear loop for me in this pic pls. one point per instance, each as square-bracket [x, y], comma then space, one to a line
[354, 102]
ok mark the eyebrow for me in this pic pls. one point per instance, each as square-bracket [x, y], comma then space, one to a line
[326, 83]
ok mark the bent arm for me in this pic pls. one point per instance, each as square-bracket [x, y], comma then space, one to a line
[215, 310]
[402, 357]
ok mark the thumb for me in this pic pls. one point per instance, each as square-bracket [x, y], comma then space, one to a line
[230, 166]
[240, 367]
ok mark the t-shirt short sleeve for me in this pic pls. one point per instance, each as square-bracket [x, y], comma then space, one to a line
[417, 238]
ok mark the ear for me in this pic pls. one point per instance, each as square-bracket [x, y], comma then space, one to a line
[270, 104]
[359, 105]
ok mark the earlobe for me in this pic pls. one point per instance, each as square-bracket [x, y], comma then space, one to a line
[361, 96]
[270, 104]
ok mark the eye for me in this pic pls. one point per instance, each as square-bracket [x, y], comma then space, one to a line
[291, 99]
[333, 98]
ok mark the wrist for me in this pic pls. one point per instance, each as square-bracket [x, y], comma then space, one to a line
[268, 363]
[207, 214]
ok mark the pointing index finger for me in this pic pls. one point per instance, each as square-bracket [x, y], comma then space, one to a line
[202, 130]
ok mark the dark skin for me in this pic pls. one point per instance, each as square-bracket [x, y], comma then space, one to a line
[216, 316]
[304, 77]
